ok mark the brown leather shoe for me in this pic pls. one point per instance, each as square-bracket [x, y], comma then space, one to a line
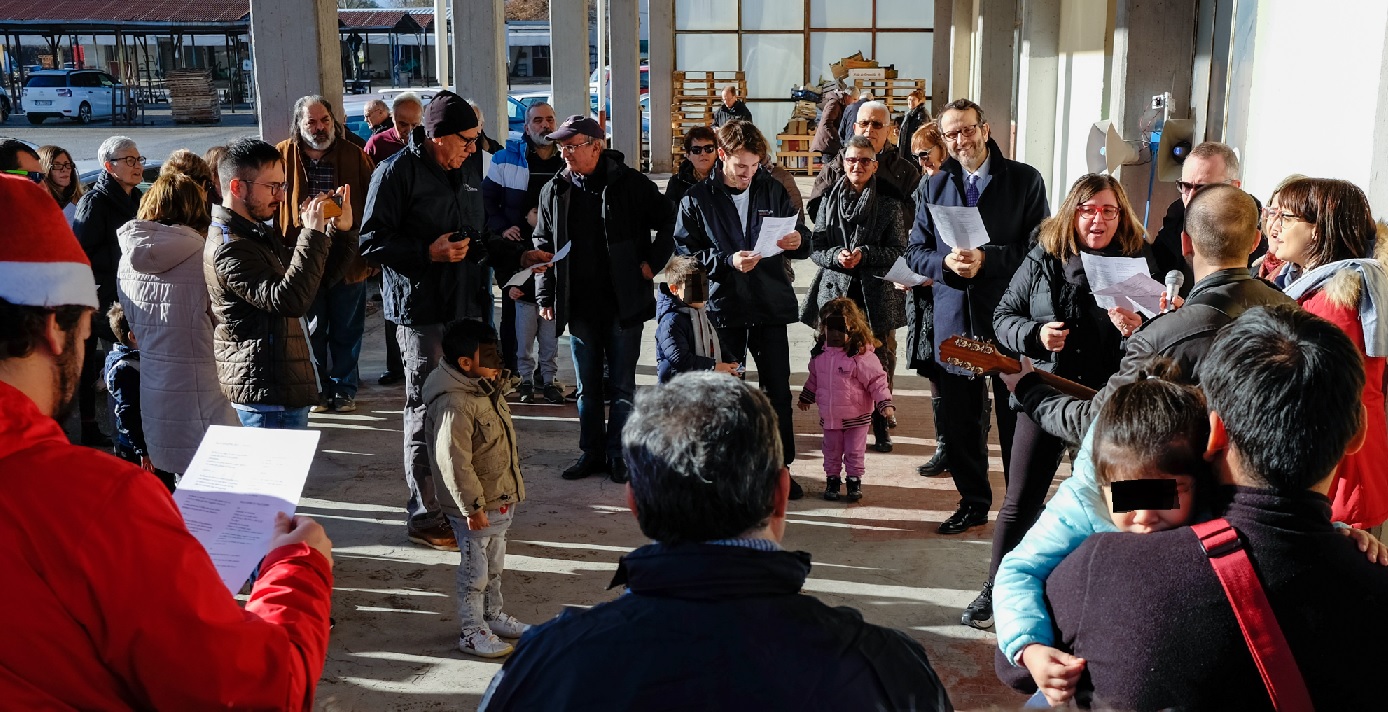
[439, 537]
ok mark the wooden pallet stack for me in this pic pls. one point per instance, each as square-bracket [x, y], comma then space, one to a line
[696, 96]
[192, 98]
[793, 144]
[892, 92]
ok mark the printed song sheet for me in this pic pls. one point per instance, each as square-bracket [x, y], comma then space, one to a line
[519, 278]
[1105, 272]
[902, 274]
[773, 229]
[959, 227]
[238, 480]
[1139, 293]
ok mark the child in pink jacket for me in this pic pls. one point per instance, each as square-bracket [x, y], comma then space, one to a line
[848, 383]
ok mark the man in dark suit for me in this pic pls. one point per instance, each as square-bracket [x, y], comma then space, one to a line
[1147, 613]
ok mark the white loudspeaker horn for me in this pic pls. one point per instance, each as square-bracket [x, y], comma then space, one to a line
[1177, 138]
[1106, 150]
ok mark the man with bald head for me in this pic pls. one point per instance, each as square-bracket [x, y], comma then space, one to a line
[1221, 229]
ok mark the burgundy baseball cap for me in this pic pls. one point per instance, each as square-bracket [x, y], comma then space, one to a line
[575, 125]
[448, 114]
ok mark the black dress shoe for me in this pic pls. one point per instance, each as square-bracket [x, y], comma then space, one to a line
[964, 518]
[936, 465]
[588, 464]
[617, 471]
[796, 491]
[389, 379]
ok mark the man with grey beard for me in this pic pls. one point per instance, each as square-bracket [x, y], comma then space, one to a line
[317, 162]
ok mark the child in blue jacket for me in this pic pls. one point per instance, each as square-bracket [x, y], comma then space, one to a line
[122, 376]
[685, 339]
[1149, 430]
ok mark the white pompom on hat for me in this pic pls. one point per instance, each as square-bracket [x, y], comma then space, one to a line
[41, 262]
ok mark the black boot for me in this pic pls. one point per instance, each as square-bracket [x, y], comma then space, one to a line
[831, 488]
[855, 489]
[938, 463]
[881, 433]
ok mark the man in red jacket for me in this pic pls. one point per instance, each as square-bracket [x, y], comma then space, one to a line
[112, 604]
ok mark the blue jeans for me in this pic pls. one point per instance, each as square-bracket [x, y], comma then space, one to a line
[279, 419]
[594, 342]
[531, 327]
[479, 570]
[336, 323]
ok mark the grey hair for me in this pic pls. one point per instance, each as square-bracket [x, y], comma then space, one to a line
[481, 117]
[301, 108]
[875, 106]
[106, 153]
[859, 141]
[705, 457]
[374, 103]
[1215, 149]
[865, 95]
[531, 109]
[403, 98]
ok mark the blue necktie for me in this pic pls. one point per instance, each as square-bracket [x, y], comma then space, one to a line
[971, 192]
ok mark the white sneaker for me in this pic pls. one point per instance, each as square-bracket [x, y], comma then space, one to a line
[482, 643]
[506, 626]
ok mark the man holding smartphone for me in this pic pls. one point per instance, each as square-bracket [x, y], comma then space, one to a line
[423, 226]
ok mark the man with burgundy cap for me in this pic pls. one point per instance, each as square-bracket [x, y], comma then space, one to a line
[424, 226]
[119, 606]
[605, 212]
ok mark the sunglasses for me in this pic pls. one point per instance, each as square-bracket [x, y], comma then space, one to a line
[35, 176]
[696, 150]
[924, 155]
[870, 124]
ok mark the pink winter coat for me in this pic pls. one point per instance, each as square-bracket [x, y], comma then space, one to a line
[847, 388]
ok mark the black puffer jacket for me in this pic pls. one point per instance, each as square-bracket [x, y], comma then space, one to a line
[708, 229]
[261, 289]
[632, 209]
[911, 122]
[882, 239]
[100, 212]
[413, 201]
[1044, 290]
[1183, 335]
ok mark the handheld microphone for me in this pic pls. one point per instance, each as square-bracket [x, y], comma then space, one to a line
[1174, 280]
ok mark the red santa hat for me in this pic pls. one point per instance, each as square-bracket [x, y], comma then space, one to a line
[41, 262]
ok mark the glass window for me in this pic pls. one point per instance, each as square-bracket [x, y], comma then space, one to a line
[705, 15]
[46, 80]
[705, 53]
[774, 63]
[837, 13]
[910, 51]
[829, 47]
[906, 14]
[773, 14]
[771, 118]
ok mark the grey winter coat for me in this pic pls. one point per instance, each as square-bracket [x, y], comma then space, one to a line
[882, 239]
[162, 289]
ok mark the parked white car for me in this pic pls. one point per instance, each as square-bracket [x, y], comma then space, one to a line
[81, 94]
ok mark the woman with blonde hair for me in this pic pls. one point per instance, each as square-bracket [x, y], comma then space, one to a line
[162, 289]
[1049, 314]
[61, 179]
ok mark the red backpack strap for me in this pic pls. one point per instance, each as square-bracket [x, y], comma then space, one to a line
[1286, 688]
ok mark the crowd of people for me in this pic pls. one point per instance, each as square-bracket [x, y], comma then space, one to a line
[1244, 422]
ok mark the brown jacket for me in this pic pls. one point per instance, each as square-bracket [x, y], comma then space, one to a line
[354, 170]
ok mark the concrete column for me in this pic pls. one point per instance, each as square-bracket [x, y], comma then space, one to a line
[441, 41]
[662, 57]
[568, 58]
[1377, 189]
[1038, 88]
[1153, 52]
[941, 54]
[961, 43]
[624, 26]
[479, 59]
[997, 49]
[295, 50]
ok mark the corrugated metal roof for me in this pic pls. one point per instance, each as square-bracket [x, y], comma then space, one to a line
[119, 11]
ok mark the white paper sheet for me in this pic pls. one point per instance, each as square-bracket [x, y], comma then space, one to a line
[773, 229]
[519, 278]
[238, 480]
[1138, 292]
[902, 274]
[959, 227]
[1104, 272]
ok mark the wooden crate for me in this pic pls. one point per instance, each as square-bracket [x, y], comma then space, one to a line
[706, 84]
[192, 98]
[794, 153]
[892, 92]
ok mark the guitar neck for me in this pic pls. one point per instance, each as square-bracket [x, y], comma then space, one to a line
[1065, 385]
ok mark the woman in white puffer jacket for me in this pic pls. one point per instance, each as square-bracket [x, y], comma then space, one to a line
[165, 298]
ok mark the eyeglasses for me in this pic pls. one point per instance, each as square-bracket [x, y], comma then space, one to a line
[696, 150]
[1110, 212]
[924, 156]
[568, 149]
[867, 124]
[859, 160]
[966, 132]
[60, 167]
[35, 176]
[1187, 188]
[1280, 217]
[131, 161]
[274, 187]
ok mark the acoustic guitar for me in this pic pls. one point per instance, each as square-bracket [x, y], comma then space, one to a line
[984, 359]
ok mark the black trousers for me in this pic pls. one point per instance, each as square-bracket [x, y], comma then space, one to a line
[507, 333]
[962, 401]
[393, 363]
[1035, 457]
[92, 373]
[770, 349]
